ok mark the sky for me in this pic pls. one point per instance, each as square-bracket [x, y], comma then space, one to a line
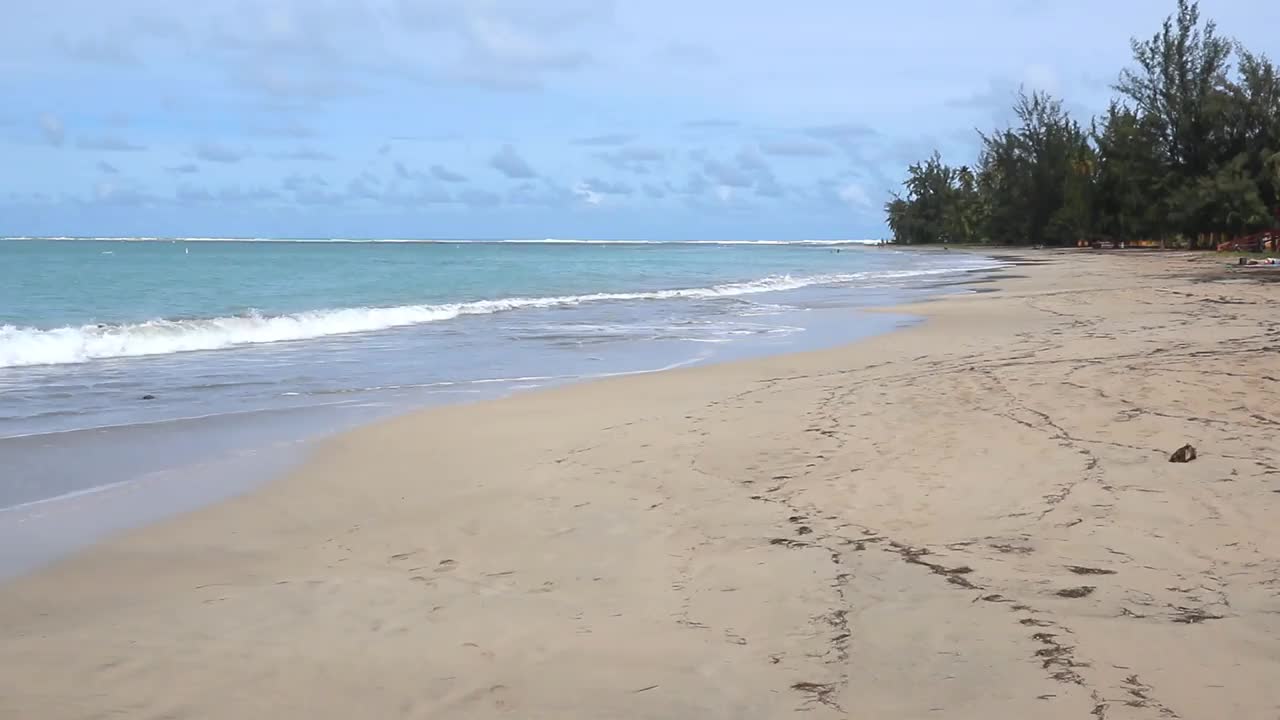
[700, 119]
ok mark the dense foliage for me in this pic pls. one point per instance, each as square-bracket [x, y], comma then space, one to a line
[1190, 147]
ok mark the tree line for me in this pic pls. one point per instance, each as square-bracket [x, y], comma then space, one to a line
[1189, 147]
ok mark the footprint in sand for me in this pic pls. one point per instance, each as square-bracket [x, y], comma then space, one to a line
[499, 695]
[446, 565]
[486, 654]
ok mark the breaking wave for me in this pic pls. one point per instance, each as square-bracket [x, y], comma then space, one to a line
[410, 241]
[27, 346]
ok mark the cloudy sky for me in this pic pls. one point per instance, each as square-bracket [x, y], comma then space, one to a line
[523, 118]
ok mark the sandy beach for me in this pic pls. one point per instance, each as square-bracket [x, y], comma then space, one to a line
[973, 517]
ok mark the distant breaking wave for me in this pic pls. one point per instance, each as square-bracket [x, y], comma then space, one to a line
[559, 241]
[26, 346]
[513, 241]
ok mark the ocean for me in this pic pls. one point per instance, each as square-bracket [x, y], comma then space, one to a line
[123, 360]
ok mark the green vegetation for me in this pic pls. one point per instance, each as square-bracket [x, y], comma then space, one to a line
[1189, 148]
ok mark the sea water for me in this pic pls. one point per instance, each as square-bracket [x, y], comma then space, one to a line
[124, 358]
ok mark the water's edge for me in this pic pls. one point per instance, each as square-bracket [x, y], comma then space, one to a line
[194, 463]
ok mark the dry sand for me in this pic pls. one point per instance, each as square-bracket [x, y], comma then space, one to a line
[971, 518]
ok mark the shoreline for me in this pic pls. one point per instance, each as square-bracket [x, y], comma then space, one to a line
[973, 515]
[157, 468]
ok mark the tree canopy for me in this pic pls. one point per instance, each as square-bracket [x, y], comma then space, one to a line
[1190, 145]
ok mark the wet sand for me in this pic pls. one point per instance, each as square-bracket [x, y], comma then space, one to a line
[971, 518]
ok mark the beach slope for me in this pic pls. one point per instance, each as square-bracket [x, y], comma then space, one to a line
[974, 517]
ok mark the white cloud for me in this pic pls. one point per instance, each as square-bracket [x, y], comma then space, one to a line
[120, 192]
[52, 129]
[635, 159]
[854, 195]
[595, 188]
[307, 50]
[747, 170]
[796, 148]
[1041, 77]
[588, 196]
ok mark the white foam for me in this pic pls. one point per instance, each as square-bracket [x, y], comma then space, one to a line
[26, 346]
[65, 496]
[445, 241]
[567, 241]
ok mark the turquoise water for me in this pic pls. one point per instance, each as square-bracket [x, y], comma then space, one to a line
[47, 284]
[106, 346]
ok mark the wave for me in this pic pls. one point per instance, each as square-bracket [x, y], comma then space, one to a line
[512, 241]
[26, 346]
[64, 496]
[562, 241]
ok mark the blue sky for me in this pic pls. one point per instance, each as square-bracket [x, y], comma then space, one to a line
[524, 118]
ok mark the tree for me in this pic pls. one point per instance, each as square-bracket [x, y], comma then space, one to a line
[965, 214]
[1229, 199]
[1132, 203]
[1038, 176]
[1254, 116]
[1180, 69]
[1001, 184]
[1189, 146]
[927, 213]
